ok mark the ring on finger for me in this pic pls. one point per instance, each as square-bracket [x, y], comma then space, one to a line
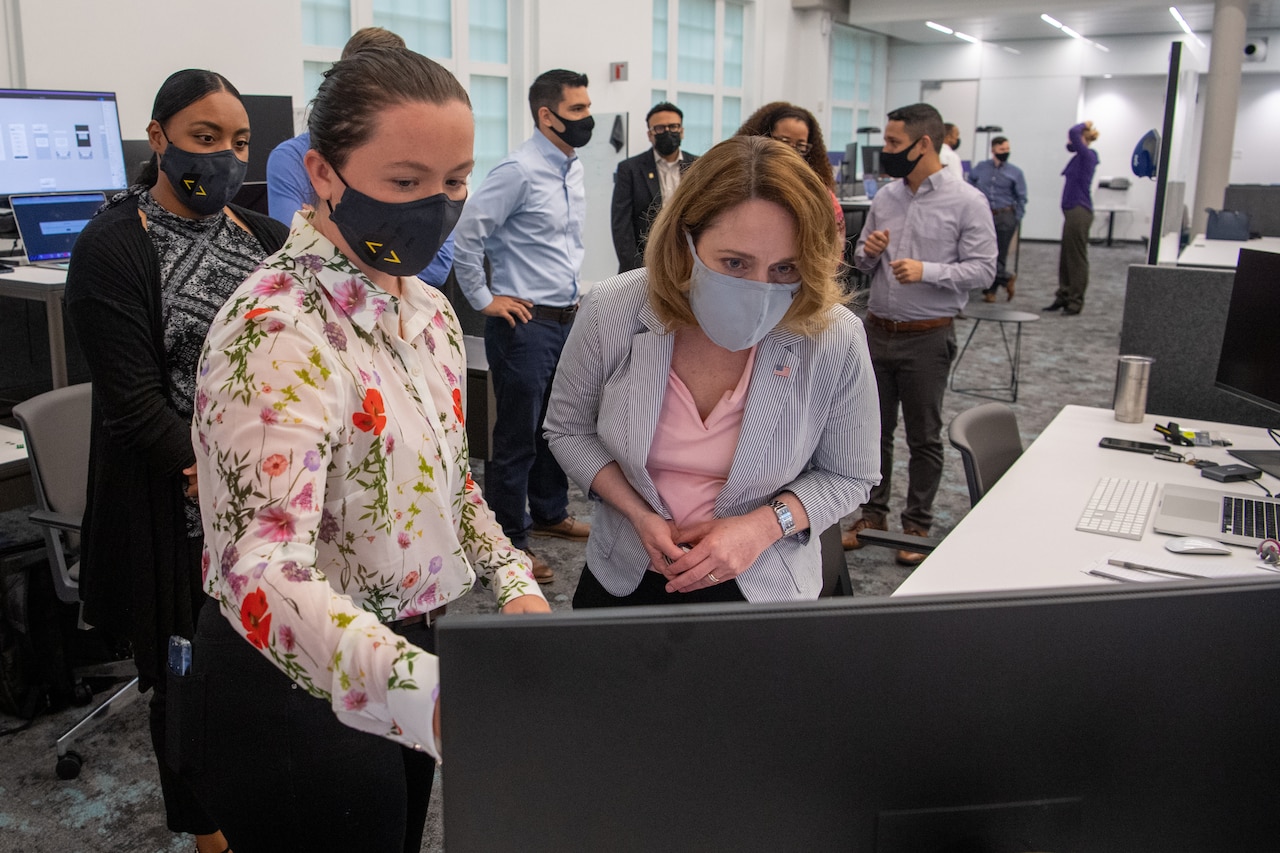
[712, 577]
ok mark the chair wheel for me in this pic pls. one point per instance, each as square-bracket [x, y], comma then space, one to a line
[81, 694]
[69, 765]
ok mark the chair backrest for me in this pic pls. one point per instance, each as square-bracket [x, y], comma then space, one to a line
[56, 426]
[988, 440]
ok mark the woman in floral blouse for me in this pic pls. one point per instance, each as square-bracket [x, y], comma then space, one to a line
[340, 513]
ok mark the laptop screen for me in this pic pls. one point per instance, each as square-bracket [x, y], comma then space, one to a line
[50, 224]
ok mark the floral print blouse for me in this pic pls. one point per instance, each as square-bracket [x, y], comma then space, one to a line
[334, 481]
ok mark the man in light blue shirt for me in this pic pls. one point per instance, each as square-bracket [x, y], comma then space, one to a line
[527, 217]
[1006, 190]
[289, 189]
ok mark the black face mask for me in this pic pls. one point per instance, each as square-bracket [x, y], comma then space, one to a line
[666, 143]
[577, 132]
[205, 183]
[955, 146]
[898, 164]
[399, 238]
[1002, 157]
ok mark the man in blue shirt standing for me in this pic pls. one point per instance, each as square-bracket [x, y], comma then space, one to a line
[289, 188]
[1006, 190]
[527, 217]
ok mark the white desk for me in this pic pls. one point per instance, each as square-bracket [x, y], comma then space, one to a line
[15, 473]
[1022, 534]
[1111, 210]
[40, 284]
[1202, 252]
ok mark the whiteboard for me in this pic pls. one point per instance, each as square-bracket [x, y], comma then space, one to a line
[599, 162]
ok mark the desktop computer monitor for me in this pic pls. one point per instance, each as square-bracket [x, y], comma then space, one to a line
[1114, 718]
[270, 123]
[60, 141]
[1250, 355]
[871, 160]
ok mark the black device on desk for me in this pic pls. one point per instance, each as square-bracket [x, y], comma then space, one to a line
[1247, 364]
[1083, 719]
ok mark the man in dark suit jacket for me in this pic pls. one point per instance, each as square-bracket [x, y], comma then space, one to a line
[640, 180]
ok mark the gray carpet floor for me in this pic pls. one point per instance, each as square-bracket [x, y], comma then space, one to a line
[115, 803]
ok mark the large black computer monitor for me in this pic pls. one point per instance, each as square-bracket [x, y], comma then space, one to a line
[1126, 718]
[1249, 363]
[270, 122]
[871, 160]
[59, 141]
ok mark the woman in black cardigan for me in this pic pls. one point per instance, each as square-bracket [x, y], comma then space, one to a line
[146, 278]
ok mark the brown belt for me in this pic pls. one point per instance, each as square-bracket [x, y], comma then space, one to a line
[1008, 209]
[908, 325]
[420, 618]
[556, 315]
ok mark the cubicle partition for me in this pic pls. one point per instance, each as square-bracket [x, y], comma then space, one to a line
[1261, 202]
[1177, 315]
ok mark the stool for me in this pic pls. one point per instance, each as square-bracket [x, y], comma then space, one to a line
[979, 311]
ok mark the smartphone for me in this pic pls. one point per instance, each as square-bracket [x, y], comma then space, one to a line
[1132, 446]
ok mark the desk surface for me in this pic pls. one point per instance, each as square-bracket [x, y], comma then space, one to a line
[13, 452]
[1022, 534]
[1202, 252]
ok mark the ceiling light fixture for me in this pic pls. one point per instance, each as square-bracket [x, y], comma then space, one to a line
[1071, 32]
[963, 37]
[1053, 22]
[1101, 47]
[1182, 22]
[1011, 50]
[939, 27]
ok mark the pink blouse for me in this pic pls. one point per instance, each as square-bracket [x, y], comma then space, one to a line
[689, 459]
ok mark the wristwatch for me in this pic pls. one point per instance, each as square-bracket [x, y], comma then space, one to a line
[786, 520]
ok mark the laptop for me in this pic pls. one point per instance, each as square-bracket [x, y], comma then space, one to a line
[1234, 518]
[50, 223]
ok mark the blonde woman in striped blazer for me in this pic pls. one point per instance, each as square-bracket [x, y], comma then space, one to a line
[719, 404]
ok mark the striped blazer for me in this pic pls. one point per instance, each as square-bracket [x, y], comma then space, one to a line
[811, 426]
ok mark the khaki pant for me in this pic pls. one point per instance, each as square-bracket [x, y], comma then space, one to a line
[1073, 262]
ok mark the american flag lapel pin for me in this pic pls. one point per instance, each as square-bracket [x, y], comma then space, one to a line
[783, 371]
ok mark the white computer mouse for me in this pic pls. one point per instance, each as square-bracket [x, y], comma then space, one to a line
[1195, 545]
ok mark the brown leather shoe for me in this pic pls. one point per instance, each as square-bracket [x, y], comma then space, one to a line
[849, 538]
[570, 528]
[542, 572]
[1008, 285]
[911, 558]
[988, 297]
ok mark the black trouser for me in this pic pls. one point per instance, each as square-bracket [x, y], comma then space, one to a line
[183, 811]
[1006, 224]
[281, 773]
[911, 371]
[652, 590]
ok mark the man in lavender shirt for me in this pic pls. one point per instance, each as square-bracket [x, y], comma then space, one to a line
[1077, 212]
[927, 242]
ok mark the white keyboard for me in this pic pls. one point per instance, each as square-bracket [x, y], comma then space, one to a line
[1119, 507]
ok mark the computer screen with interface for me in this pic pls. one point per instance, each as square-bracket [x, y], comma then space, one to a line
[59, 141]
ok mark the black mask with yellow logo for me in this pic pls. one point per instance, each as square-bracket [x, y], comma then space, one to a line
[400, 238]
[205, 183]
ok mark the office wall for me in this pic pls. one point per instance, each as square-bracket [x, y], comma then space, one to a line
[1257, 127]
[1124, 108]
[131, 46]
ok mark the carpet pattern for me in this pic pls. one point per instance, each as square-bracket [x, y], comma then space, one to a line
[115, 803]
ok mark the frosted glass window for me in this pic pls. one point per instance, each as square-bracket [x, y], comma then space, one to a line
[733, 39]
[697, 42]
[730, 116]
[326, 23]
[660, 24]
[312, 76]
[841, 128]
[658, 96]
[699, 120]
[488, 30]
[425, 25]
[844, 67]
[489, 103]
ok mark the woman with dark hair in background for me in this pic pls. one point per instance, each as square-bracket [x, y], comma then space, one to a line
[146, 278]
[797, 127]
[340, 512]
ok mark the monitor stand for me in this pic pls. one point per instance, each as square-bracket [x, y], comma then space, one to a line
[1265, 460]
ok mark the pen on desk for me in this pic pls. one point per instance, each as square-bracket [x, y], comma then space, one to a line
[1151, 570]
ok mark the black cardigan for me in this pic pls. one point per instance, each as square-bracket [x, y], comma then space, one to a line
[138, 579]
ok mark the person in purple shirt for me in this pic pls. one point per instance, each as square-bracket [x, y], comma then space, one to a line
[1077, 210]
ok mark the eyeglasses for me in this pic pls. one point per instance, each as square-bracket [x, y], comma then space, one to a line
[801, 148]
[663, 128]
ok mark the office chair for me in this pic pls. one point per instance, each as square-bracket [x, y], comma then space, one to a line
[988, 440]
[56, 429]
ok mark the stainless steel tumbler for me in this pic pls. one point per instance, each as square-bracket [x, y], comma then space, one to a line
[1133, 376]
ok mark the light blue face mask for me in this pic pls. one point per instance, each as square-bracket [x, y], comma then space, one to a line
[736, 313]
